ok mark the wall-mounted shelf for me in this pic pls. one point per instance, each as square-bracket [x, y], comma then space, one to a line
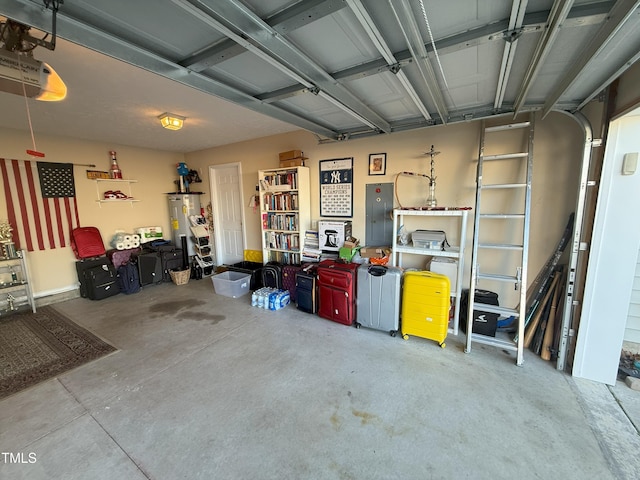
[101, 190]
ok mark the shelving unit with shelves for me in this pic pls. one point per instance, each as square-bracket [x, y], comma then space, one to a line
[454, 252]
[101, 189]
[204, 255]
[15, 293]
[285, 212]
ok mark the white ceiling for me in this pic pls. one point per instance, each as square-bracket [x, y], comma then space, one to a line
[339, 68]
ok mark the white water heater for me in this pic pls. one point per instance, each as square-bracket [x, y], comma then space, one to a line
[182, 206]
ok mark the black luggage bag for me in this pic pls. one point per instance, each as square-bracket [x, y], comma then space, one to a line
[98, 278]
[272, 275]
[149, 268]
[171, 257]
[171, 260]
[484, 323]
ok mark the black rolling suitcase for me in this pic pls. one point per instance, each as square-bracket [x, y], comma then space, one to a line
[149, 268]
[97, 275]
[171, 257]
[171, 260]
[307, 289]
[272, 275]
[98, 278]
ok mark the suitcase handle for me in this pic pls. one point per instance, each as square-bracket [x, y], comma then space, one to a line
[377, 270]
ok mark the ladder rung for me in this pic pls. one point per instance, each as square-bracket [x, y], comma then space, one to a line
[504, 311]
[505, 185]
[505, 156]
[500, 246]
[496, 342]
[502, 215]
[510, 126]
[500, 278]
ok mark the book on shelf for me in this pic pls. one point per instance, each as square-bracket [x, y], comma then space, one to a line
[311, 254]
[311, 239]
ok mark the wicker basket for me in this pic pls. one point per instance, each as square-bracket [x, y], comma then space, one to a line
[180, 277]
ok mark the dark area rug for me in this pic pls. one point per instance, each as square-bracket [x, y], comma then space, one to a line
[37, 346]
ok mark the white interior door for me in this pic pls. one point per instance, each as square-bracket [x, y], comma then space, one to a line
[226, 190]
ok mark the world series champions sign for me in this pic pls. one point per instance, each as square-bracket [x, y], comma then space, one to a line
[336, 187]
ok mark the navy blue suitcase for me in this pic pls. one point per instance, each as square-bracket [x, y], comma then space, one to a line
[307, 289]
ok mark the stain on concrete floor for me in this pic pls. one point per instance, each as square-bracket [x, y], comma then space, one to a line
[183, 310]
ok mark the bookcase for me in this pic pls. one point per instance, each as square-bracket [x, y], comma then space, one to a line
[285, 213]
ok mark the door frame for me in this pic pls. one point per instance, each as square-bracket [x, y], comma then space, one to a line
[213, 175]
[609, 278]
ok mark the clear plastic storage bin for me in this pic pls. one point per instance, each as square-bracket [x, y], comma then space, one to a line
[231, 284]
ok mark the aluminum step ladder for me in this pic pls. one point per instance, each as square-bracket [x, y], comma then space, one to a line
[512, 252]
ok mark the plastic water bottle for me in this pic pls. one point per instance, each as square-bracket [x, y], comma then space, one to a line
[260, 298]
[267, 298]
[264, 298]
[272, 300]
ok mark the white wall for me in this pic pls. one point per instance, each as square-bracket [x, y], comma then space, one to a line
[557, 153]
[53, 271]
[612, 259]
[557, 156]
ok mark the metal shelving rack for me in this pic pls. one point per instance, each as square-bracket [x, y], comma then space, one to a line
[17, 294]
[451, 252]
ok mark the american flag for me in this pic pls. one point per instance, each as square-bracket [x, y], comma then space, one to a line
[41, 203]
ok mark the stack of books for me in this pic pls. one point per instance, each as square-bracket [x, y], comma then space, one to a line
[311, 251]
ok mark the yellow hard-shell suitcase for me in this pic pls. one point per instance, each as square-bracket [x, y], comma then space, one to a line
[425, 305]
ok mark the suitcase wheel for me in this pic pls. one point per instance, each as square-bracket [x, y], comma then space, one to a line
[442, 345]
[405, 337]
[393, 333]
[357, 325]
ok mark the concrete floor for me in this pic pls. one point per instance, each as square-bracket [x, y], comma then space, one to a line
[205, 386]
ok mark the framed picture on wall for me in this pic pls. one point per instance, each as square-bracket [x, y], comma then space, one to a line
[336, 187]
[377, 163]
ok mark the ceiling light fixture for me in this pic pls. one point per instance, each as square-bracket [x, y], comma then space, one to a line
[171, 121]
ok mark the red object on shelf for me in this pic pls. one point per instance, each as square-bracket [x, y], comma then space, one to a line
[115, 171]
[35, 153]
